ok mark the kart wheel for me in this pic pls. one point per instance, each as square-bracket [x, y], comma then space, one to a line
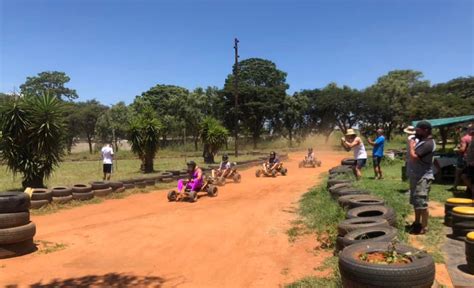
[284, 171]
[273, 173]
[237, 178]
[221, 181]
[319, 163]
[193, 196]
[212, 191]
[172, 195]
[258, 173]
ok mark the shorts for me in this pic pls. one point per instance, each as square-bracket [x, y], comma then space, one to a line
[419, 192]
[107, 168]
[377, 160]
[460, 163]
[360, 163]
[469, 171]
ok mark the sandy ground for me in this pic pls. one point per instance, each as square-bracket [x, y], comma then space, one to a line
[237, 239]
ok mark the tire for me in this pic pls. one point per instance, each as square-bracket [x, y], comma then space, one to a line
[318, 163]
[448, 209]
[237, 178]
[356, 273]
[62, 200]
[149, 182]
[166, 180]
[284, 171]
[258, 173]
[339, 186]
[17, 249]
[341, 168]
[343, 201]
[83, 196]
[116, 185]
[365, 201]
[333, 182]
[61, 191]
[37, 204]
[81, 188]
[374, 211]
[8, 220]
[41, 194]
[166, 175]
[349, 191]
[212, 191]
[99, 185]
[372, 234]
[349, 225]
[348, 161]
[17, 234]
[102, 192]
[141, 184]
[172, 196]
[469, 248]
[193, 197]
[173, 172]
[119, 190]
[12, 202]
[273, 174]
[128, 181]
[128, 185]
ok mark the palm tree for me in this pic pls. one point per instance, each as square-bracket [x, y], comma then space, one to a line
[32, 141]
[144, 137]
[213, 136]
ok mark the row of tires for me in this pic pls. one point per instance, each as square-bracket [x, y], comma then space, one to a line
[370, 227]
[16, 229]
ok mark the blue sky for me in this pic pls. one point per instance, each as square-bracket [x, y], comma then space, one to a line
[114, 50]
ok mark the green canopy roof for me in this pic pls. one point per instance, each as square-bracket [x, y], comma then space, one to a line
[448, 121]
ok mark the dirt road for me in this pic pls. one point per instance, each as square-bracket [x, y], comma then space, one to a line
[237, 239]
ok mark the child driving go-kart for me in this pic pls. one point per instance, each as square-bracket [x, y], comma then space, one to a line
[310, 160]
[194, 184]
[226, 170]
[272, 167]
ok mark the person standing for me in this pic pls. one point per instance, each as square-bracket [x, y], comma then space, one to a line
[352, 141]
[377, 152]
[107, 159]
[421, 175]
[468, 175]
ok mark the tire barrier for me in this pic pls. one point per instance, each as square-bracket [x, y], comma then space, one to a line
[450, 204]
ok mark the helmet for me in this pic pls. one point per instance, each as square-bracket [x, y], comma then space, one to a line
[225, 157]
[191, 165]
[310, 149]
[272, 154]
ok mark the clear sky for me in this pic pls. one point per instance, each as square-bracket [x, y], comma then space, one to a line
[114, 50]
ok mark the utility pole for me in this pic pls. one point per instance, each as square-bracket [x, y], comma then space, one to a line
[236, 95]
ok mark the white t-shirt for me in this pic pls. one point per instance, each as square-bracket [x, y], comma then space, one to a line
[359, 150]
[107, 153]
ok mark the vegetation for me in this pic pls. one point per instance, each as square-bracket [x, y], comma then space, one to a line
[213, 136]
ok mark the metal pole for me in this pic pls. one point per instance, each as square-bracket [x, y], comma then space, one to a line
[236, 95]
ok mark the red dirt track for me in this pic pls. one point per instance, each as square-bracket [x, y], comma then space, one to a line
[237, 239]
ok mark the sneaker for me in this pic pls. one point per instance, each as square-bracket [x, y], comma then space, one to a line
[415, 228]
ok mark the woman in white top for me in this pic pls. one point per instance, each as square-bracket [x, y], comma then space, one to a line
[352, 141]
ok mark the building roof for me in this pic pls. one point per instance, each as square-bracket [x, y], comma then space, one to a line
[448, 121]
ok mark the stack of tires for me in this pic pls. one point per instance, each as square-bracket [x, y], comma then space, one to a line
[118, 187]
[140, 183]
[463, 222]
[101, 188]
[470, 252]
[40, 197]
[61, 194]
[450, 204]
[167, 177]
[16, 230]
[128, 184]
[82, 192]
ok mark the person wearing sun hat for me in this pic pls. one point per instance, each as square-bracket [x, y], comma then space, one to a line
[410, 130]
[352, 141]
[421, 174]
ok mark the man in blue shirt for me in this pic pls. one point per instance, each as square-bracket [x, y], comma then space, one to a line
[378, 152]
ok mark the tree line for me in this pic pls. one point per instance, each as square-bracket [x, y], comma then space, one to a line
[207, 115]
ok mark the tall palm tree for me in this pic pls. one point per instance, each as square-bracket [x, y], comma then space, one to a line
[32, 141]
[213, 136]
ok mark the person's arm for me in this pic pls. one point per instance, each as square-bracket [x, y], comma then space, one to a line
[422, 151]
[371, 142]
[199, 176]
[353, 144]
[463, 146]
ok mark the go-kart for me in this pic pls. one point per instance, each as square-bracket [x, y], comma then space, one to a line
[192, 196]
[309, 163]
[272, 172]
[220, 178]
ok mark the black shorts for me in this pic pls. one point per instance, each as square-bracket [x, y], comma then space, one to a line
[469, 171]
[107, 168]
[360, 163]
[377, 160]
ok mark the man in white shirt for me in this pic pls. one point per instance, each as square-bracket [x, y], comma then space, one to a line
[107, 160]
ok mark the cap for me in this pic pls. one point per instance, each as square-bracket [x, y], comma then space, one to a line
[423, 124]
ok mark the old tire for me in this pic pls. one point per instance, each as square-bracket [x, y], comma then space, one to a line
[41, 194]
[167, 180]
[284, 171]
[17, 249]
[365, 201]
[343, 201]
[348, 191]
[372, 234]
[128, 185]
[237, 178]
[116, 185]
[119, 190]
[348, 161]
[8, 220]
[140, 184]
[81, 188]
[62, 200]
[193, 197]
[374, 211]
[172, 196]
[357, 273]
[339, 186]
[333, 182]
[469, 248]
[450, 204]
[349, 225]
[17, 234]
[61, 191]
[37, 204]
[102, 192]
[212, 191]
[258, 173]
[83, 196]
[12, 202]
[99, 185]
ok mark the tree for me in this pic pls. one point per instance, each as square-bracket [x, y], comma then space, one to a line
[144, 137]
[213, 136]
[293, 112]
[51, 82]
[32, 140]
[463, 87]
[73, 124]
[262, 90]
[88, 112]
[112, 125]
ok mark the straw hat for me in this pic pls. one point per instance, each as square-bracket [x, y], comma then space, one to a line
[350, 132]
[409, 130]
